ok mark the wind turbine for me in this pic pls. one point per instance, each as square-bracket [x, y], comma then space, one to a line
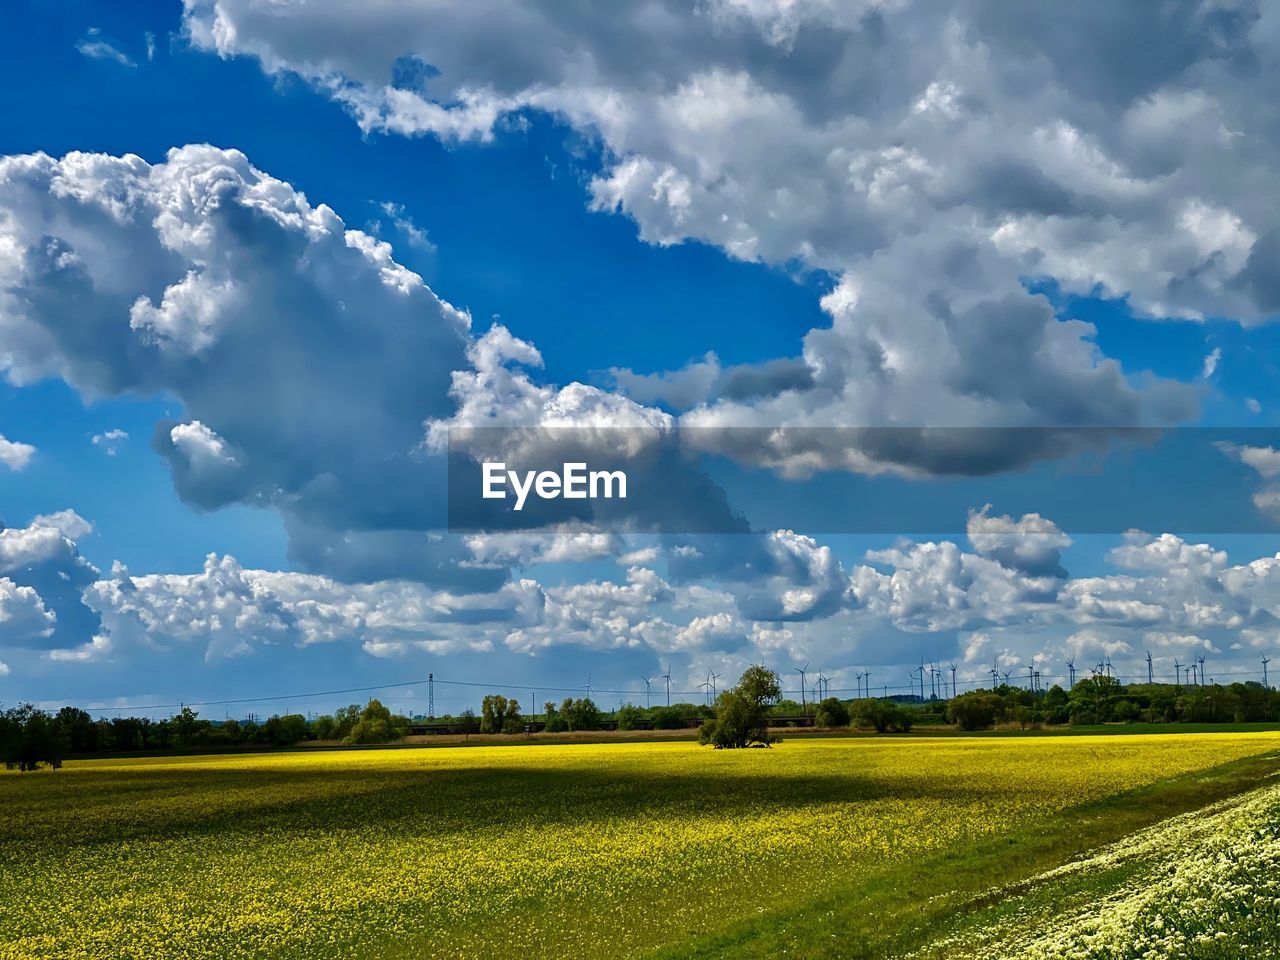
[1150, 675]
[857, 679]
[804, 709]
[1177, 667]
[1071, 669]
[713, 677]
[1265, 661]
[648, 691]
[1202, 670]
[667, 677]
[952, 667]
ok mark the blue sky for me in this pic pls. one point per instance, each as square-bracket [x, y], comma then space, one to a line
[627, 220]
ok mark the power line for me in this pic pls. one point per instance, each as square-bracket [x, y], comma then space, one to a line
[431, 682]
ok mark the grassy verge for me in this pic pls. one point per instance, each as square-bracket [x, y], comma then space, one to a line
[903, 908]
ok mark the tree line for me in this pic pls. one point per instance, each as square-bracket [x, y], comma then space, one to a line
[741, 716]
[30, 737]
[1102, 699]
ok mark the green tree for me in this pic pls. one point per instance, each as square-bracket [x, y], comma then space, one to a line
[126, 733]
[344, 718]
[499, 715]
[230, 732]
[581, 714]
[669, 718]
[285, 731]
[1056, 705]
[742, 713]
[187, 728]
[323, 727]
[630, 717]
[884, 716]
[30, 738]
[1092, 699]
[556, 721]
[1126, 711]
[375, 725]
[832, 712]
[977, 710]
[79, 729]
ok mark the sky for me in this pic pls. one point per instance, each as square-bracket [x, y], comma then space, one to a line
[928, 332]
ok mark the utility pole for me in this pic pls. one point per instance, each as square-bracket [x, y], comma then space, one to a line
[431, 696]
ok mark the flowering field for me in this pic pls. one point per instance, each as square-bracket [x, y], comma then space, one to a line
[1204, 884]
[530, 851]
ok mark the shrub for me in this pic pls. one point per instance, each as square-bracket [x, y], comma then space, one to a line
[832, 712]
[1126, 711]
[630, 717]
[376, 725]
[978, 710]
[885, 716]
[668, 718]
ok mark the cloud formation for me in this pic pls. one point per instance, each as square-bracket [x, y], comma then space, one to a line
[14, 455]
[305, 358]
[930, 158]
[1170, 596]
[43, 579]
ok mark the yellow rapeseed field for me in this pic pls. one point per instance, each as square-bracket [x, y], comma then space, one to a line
[534, 851]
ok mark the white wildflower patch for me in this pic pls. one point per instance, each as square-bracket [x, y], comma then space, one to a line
[1205, 884]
